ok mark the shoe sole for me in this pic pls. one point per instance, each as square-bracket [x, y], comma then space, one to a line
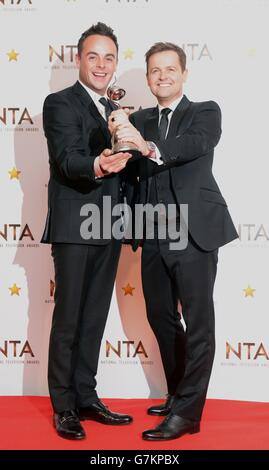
[82, 418]
[63, 436]
[193, 431]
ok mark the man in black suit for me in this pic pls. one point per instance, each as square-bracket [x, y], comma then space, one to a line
[178, 139]
[82, 171]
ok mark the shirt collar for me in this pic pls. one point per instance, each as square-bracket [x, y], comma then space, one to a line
[94, 96]
[172, 105]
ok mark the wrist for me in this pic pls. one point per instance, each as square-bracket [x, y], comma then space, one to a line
[98, 170]
[151, 149]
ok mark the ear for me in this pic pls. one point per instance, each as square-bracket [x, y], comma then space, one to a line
[185, 75]
[77, 58]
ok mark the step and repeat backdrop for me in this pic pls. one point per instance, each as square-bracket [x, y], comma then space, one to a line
[226, 42]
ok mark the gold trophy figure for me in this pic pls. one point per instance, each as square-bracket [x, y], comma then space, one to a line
[115, 94]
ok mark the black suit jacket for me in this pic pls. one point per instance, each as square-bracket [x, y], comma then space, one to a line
[76, 133]
[187, 152]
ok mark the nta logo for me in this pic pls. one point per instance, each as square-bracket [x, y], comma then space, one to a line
[10, 231]
[63, 53]
[15, 348]
[124, 348]
[15, 2]
[246, 350]
[14, 116]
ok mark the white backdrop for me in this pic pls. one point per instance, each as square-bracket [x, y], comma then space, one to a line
[226, 43]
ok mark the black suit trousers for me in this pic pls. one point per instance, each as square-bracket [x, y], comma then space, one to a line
[187, 275]
[84, 279]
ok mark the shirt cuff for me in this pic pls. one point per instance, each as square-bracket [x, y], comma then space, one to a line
[157, 159]
[97, 170]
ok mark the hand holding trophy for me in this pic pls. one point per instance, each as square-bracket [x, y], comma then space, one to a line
[120, 117]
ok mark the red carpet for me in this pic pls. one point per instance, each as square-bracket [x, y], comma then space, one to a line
[26, 424]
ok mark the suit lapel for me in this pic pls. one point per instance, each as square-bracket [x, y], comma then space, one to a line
[148, 167]
[151, 125]
[178, 117]
[101, 121]
[89, 105]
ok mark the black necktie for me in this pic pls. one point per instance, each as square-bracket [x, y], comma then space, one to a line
[107, 106]
[164, 123]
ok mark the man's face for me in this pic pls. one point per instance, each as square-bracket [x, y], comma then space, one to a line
[165, 76]
[97, 63]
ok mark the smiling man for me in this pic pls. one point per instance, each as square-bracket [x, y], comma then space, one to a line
[82, 171]
[177, 139]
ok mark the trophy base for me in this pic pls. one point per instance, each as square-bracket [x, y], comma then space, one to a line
[124, 147]
[127, 147]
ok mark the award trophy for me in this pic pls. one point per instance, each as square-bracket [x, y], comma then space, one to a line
[115, 93]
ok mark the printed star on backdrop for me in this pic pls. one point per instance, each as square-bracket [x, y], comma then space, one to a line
[12, 55]
[128, 54]
[14, 290]
[249, 292]
[128, 289]
[14, 173]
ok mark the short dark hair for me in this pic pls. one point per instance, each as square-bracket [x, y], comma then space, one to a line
[167, 46]
[100, 28]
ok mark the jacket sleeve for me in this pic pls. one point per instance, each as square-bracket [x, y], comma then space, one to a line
[197, 140]
[63, 130]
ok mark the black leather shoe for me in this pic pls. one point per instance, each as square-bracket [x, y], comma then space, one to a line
[68, 426]
[172, 427]
[163, 409]
[99, 412]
